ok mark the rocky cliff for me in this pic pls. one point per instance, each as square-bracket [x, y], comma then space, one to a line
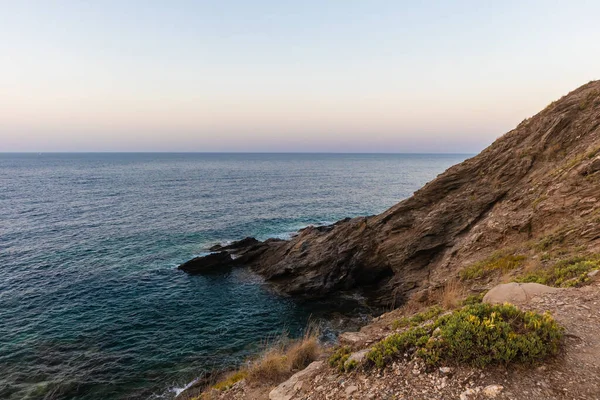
[538, 180]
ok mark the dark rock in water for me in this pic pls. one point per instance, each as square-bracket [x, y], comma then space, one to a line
[236, 246]
[246, 251]
[242, 244]
[214, 262]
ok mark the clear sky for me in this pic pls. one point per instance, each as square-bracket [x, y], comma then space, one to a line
[311, 75]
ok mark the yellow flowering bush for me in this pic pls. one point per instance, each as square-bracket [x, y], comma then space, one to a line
[478, 334]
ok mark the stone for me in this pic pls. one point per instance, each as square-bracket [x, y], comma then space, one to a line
[445, 370]
[350, 389]
[516, 293]
[350, 338]
[593, 273]
[358, 356]
[287, 389]
[593, 166]
[469, 393]
[492, 390]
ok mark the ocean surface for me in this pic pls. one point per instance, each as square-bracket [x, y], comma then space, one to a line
[91, 303]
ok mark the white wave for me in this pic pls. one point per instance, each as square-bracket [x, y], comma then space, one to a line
[178, 391]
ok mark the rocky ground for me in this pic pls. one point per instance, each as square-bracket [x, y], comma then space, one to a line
[574, 374]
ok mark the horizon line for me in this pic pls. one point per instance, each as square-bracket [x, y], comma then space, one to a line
[224, 152]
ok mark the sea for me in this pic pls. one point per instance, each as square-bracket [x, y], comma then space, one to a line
[92, 305]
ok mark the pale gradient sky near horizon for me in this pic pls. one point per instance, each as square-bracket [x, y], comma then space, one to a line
[324, 76]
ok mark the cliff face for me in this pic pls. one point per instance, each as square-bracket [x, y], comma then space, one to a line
[539, 178]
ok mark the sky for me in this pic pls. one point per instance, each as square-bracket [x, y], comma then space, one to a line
[285, 76]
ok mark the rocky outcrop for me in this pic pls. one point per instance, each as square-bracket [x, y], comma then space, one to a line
[537, 178]
[223, 258]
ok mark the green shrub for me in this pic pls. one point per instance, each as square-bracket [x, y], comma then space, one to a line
[477, 335]
[474, 299]
[565, 273]
[497, 262]
[339, 357]
[350, 365]
[419, 318]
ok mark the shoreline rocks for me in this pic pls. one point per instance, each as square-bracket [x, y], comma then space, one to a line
[211, 263]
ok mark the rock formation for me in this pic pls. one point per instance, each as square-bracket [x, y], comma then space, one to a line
[540, 177]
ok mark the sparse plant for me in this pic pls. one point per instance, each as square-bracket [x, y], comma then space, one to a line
[451, 294]
[230, 379]
[418, 318]
[498, 262]
[564, 273]
[339, 358]
[474, 299]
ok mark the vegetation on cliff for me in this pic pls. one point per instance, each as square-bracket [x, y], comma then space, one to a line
[478, 335]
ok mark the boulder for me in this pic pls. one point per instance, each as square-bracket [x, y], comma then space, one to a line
[516, 293]
[492, 390]
[214, 262]
[289, 388]
[351, 338]
[359, 356]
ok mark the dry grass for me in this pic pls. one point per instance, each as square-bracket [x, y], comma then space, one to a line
[303, 352]
[452, 294]
[281, 360]
[272, 367]
[277, 363]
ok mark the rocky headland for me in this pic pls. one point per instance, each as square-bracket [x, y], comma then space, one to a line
[535, 180]
[525, 210]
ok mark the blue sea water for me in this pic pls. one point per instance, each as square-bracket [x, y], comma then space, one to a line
[91, 303]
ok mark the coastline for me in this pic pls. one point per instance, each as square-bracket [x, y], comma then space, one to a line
[440, 257]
